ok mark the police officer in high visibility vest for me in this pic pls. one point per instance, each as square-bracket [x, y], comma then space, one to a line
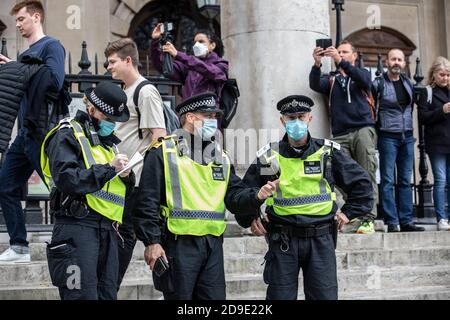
[187, 182]
[87, 198]
[302, 214]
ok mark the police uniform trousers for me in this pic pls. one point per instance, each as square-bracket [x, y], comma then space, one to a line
[84, 266]
[314, 255]
[196, 269]
[127, 238]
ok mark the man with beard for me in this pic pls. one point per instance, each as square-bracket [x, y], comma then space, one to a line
[394, 97]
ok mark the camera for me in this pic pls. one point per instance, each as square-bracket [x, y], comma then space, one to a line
[166, 35]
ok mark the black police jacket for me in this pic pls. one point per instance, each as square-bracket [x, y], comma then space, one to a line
[345, 173]
[69, 171]
[146, 217]
[14, 80]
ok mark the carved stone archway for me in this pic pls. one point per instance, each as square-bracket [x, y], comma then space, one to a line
[380, 41]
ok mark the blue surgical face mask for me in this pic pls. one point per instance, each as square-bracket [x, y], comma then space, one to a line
[106, 128]
[296, 129]
[208, 130]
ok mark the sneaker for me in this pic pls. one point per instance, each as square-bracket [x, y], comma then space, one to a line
[393, 228]
[411, 228]
[367, 227]
[10, 256]
[443, 225]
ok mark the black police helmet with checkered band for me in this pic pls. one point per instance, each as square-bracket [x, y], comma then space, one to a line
[295, 104]
[204, 102]
[110, 99]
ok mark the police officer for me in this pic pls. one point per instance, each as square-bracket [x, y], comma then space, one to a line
[87, 200]
[300, 216]
[187, 182]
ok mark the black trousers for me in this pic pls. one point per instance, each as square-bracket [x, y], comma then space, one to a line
[127, 239]
[196, 269]
[83, 261]
[315, 256]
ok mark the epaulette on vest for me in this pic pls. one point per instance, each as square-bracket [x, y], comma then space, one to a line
[65, 123]
[158, 143]
[155, 145]
[263, 150]
[332, 144]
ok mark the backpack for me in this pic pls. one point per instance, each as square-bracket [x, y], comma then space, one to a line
[58, 106]
[229, 101]
[368, 94]
[170, 117]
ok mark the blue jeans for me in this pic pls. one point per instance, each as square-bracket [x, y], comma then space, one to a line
[440, 163]
[20, 161]
[396, 153]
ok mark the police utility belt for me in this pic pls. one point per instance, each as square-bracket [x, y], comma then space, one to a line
[300, 232]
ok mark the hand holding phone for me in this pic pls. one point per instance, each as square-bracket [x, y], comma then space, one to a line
[324, 44]
[161, 266]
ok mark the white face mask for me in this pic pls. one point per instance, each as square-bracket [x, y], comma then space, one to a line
[200, 50]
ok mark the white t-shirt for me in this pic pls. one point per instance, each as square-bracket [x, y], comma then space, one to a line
[152, 117]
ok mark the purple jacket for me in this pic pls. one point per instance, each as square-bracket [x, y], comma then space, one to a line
[197, 75]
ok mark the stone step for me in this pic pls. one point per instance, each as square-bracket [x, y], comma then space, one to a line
[360, 279]
[250, 244]
[37, 271]
[417, 293]
[139, 291]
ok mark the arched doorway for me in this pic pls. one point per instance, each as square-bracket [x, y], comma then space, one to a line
[379, 41]
[186, 19]
[2, 27]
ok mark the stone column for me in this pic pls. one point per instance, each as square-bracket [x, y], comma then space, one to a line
[93, 26]
[269, 46]
[447, 25]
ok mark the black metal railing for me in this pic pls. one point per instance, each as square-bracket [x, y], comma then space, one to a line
[37, 203]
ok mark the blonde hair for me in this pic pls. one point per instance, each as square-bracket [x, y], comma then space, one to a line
[440, 63]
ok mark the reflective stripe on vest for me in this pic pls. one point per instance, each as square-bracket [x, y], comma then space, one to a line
[202, 215]
[195, 200]
[110, 200]
[301, 192]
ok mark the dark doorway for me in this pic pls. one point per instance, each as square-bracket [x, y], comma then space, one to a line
[380, 41]
[186, 19]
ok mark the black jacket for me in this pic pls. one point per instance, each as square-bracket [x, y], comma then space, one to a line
[346, 174]
[14, 80]
[350, 109]
[437, 123]
[147, 220]
[69, 172]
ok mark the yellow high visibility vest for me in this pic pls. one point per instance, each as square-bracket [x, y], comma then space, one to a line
[195, 193]
[303, 190]
[110, 200]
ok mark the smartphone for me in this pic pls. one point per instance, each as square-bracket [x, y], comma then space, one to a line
[324, 43]
[161, 266]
